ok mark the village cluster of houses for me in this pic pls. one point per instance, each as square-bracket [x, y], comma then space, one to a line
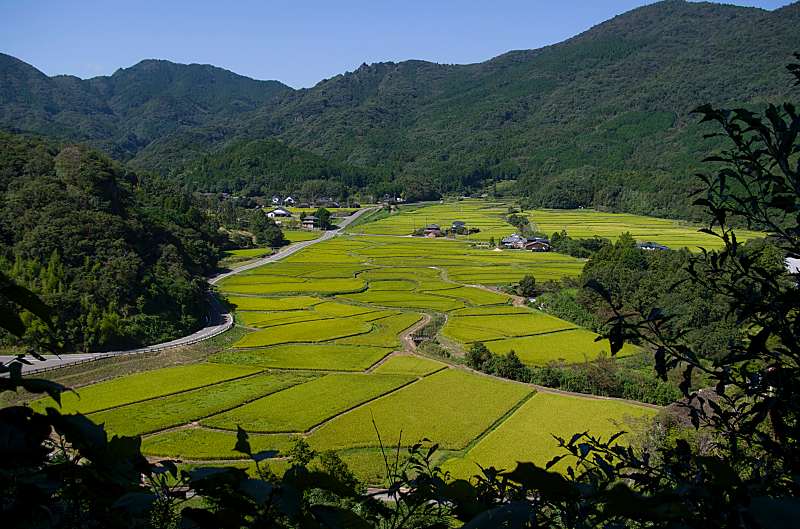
[280, 215]
[321, 202]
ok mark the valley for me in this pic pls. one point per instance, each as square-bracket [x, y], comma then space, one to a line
[326, 350]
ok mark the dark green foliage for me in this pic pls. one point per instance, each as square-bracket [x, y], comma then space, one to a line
[563, 303]
[629, 378]
[581, 248]
[599, 119]
[478, 356]
[507, 366]
[324, 218]
[119, 256]
[263, 167]
[527, 286]
[264, 229]
[643, 281]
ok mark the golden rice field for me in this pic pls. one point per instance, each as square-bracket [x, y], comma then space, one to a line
[323, 355]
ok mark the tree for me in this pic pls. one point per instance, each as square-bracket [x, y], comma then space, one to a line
[526, 286]
[324, 218]
[265, 231]
[478, 356]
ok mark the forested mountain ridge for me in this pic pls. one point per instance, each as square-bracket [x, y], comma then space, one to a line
[121, 257]
[602, 118]
[130, 109]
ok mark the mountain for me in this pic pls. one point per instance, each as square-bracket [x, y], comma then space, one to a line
[602, 118]
[132, 108]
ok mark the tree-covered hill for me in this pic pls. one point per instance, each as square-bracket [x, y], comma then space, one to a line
[270, 166]
[127, 111]
[118, 255]
[602, 118]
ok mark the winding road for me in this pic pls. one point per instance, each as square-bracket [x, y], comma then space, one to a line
[217, 321]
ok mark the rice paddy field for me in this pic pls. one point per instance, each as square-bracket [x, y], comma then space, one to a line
[588, 223]
[326, 355]
[489, 217]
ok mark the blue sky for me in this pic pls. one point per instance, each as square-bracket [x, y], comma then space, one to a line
[297, 42]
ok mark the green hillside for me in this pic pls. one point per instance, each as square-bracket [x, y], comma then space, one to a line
[119, 256]
[602, 118]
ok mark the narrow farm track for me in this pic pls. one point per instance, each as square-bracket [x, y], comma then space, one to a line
[217, 322]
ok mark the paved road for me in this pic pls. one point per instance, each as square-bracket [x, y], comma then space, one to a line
[217, 321]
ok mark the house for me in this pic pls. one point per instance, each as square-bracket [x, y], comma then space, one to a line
[793, 265]
[514, 241]
[276, 199]
[279, 212]
[432, 230]
[288, 201]
[458, 225]
[310, 222]
[538, 244]
[651, 246]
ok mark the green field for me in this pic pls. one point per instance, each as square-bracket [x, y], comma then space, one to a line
[571, 346]
[146, 385]
[201, 443]
[434, 408]
[527, 435]
[469, 329]
[409, 365]
[272, 304]
[325, 356]
[489, 217]
[321, 399]
[175, 410]
[486, 216]
[307, 331]
[321, 354]
[590, 223]
[300, 235]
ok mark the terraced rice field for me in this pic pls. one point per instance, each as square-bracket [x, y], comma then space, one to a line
[166, 412]
[300, 235]
[489, 217]
[321, 399]
[432, 407]
[202, 443]
[324, 354]
[486, 216]
[571, 346]
[527, 435]
[321, 356]
[589, 223]
[409, 365]
[143, 386]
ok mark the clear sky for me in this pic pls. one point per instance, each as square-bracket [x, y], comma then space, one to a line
[298, 42]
